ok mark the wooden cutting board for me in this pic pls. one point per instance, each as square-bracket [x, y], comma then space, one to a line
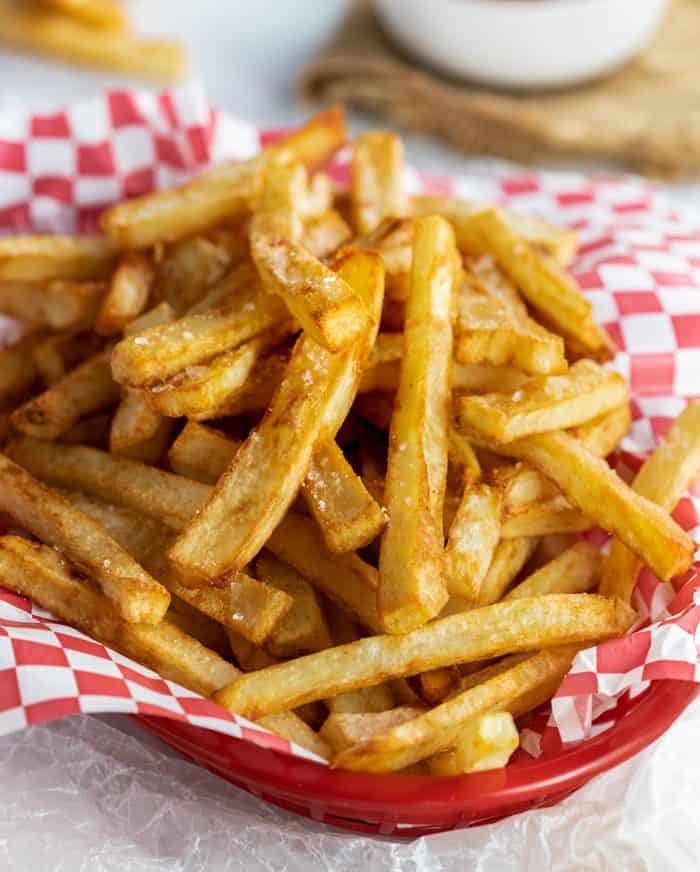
[645, 117]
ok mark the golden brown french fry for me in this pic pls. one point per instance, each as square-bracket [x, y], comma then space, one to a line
[545, 403]
[364, 700]
[343, 729]
[303, 629]
[189, 268]
[325, 233]
[377, 165]
[576, 570]
[56, 355]
[663, 479]
[102, 14]
[220, 194]
[560, 242]
[472, 540]
[255, 608]
[319, 386]
[40, 258]
[202, 453]
[128, 293]
[86, 389]
[40, 573]
[589, 483]
[199, 626]
[279, 212]
[17, 372]
[438, 729]
[411, 585]
[329, 309]
[515, 626]
[493, 325]
[43, 512]
[437, 684]
[509, 558]
[486, 744]
[49, 33]
[554, 515]
[345, 511]
[168, 498]
[602, 435]
[163, 313]
[138, 431]
[256, 394]
[59, 304]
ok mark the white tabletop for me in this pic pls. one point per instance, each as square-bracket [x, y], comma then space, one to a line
[98, 794]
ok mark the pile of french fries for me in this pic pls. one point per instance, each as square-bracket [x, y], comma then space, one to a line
[93, 33]
[326, 456]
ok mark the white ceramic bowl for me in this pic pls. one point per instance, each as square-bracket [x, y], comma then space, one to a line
[522, 44]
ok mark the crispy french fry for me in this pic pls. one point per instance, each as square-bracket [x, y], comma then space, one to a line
[345, 511]
[168, 498]
[17, 372]
[128, 293]
[377, 165]
[220, 194]
[602, 435]
[329, 309]
[555, 515]
[438, 729]
[43, 512]
[325, 233]
[160, 352]
[343, 729]
[255, 608]
[575, 570]
[476, 378]
[663, 479]
[411, 585]
[41, 573]
[189, 268]
[86, 389]
[102, 14]
[472, 540]
[202, 453]
[471, 636]
[256, 394]
[545, 403]
[199, 626]
[486, 744]
[138, 431]
[49, 33]
[303, 628]
[56, 355]
[589, 483]
[364, 700]
[163, 313]
[560, 242]
[40, 258]
[509, 558]
[310, 404]
[437, 684]
[201, 390]
[59, 304]
[280, 207]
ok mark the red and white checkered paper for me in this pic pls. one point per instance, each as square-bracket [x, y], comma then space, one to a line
[639, 264]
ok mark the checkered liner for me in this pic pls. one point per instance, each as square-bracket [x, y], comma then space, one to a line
[639, 264]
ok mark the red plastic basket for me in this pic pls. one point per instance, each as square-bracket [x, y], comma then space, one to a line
[415, 805]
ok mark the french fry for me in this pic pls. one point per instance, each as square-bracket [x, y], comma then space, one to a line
[377, 164]
[325, 233]
[303, 628]
[545, 403]
[89, 431]
[602, 435]
[663, 479]
[163, 313]
[138, 431]
[220, 194]
[315, 395]
[342, 730]
[48, 33]
[486, 744]
[255, 608]
[493, 325]
[199, 626]
[280, 207]
[560, 242]
[86, 389]
[576, 570]
[102, 14]
[345, 578]
[168, 498]
[17, 372]
[347, 514]
[41, 258]
[555, 515]
[161, 352]
[411, 585]
[509, 558]
[477, 378]
[438, 729]
[329, 309]
[362, 701]
[56, 355]
[40, 573]
[436, 684]
[189, 267]
[589, 483]
[472, 540]
[59, 305]
[201, 390]
[128, 293]
[256, 394]
[202, 453]
[43, 512]
[516, 626]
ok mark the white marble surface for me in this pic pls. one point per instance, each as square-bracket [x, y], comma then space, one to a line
[74, 796]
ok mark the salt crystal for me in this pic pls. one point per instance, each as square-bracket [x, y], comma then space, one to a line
[140, 340]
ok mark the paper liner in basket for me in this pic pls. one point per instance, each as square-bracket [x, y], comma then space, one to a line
[639, 264]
